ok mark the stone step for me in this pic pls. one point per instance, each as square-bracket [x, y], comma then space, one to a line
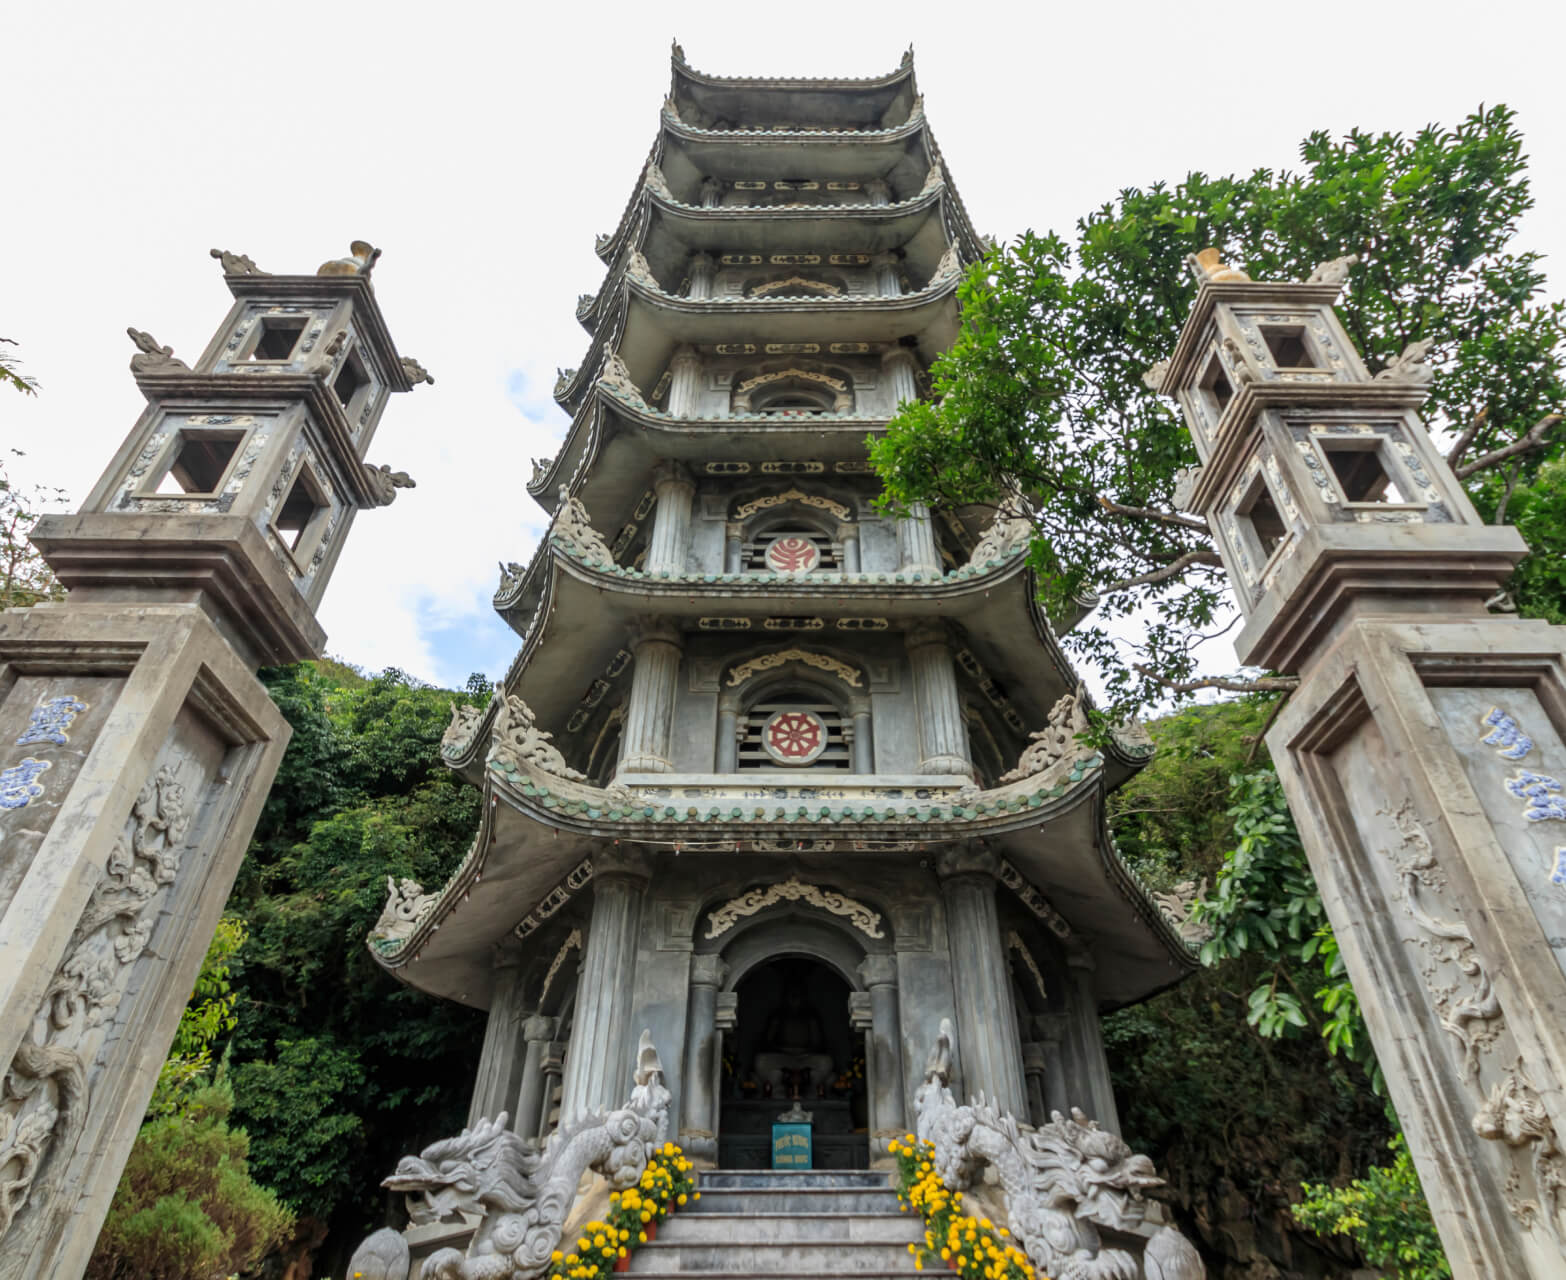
[813, 1200]
[736, 1229]
[791, 1179]
[748, 1257]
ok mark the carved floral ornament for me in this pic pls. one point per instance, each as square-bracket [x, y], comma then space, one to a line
[1054, 743]
[772, 661]
[724, 918]
[748, 509]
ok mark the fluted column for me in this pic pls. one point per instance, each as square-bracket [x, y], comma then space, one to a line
[671, 532]
[883, 1052]
[702, 269]
[699, 1076]
[1087, 1040]
[599, 1065]
[1034, 1070]
[684, 382]
[888, 280]
[862, 746]
[943, 742]
[526, 1116]
[915, 532]
[711, 193]
[1049, 1030]
[728, 733]
[500, 1060]
[877, 192]
[988, 1047]
[656, 646]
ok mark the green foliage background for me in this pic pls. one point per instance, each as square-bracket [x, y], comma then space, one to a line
[337, 1069]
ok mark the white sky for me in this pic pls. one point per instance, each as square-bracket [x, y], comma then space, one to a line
[483, 146]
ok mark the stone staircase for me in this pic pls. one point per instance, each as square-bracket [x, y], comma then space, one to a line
[785, 1224]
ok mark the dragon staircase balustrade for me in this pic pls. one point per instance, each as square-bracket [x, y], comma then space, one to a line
[521, 1196]
[1061, 1181]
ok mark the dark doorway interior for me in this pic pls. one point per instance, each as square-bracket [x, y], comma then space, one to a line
[792, 1035]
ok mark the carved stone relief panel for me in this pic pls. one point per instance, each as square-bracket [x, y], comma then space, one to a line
[47, 1099]
[1418, 930]
[1517, 764]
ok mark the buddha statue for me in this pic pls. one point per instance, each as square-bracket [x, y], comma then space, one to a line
[791, 1049]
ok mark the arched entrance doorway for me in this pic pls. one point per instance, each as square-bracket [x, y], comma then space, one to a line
[792, 1041]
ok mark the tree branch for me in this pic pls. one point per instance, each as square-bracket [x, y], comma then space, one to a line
[1149, 513]
[1523, 444]
[1262, 684]
[1455, 453]
[1171, 570]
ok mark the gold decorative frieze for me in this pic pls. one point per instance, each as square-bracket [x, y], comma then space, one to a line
[750, 508]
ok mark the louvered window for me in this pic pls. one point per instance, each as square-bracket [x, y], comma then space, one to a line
[753, 555]
[804, 716]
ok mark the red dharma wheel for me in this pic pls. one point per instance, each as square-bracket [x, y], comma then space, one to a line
[793, 555]
[794, 737]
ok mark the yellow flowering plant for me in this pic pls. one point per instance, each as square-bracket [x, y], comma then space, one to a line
[975, 1248]
[634, 1214]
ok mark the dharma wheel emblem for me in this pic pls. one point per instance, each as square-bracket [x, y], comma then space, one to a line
[793, 555]
[794, 737]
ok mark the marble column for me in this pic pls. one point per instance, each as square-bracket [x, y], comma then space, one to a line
[711, 193]
[883, 1053]
[877, 192]
[1096, 1095]
[989, 1050]
[1049, 1031]
[702, 270]
[538, 1032]
[500, 1060]
[684, 382]
[1035, 1068]
[553, 1066]
[670, 539]
[943, 743]
[599, 1065]
[728, 733]
[848, 535]
[863, 748]
[901, 369]
[703, 1063]
[733, 546]
[888, 278]
[656, 646]
[916, 547]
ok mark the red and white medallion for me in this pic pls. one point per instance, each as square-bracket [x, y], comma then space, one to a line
[794, 737]
[793, 555]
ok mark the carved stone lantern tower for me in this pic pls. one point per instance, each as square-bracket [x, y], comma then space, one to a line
[1422, 752]
[136, 745]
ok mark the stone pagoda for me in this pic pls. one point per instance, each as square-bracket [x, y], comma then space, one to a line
[779, 778]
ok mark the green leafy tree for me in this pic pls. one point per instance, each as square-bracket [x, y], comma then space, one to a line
[24, 577]
[338, 1070]
[1385, 1214]
[187, 1207]
[1041, 409]
[11, 375]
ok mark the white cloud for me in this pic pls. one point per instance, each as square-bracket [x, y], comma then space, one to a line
[483, 146]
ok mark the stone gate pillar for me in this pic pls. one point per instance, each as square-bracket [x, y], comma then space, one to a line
[883, 1052]
[700, 1072]
[136, 745]
[1422, 752]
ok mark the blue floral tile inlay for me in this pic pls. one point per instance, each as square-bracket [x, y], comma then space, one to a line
[50, 721]
[1505, 736]
[18, 784]
[1542, 793]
